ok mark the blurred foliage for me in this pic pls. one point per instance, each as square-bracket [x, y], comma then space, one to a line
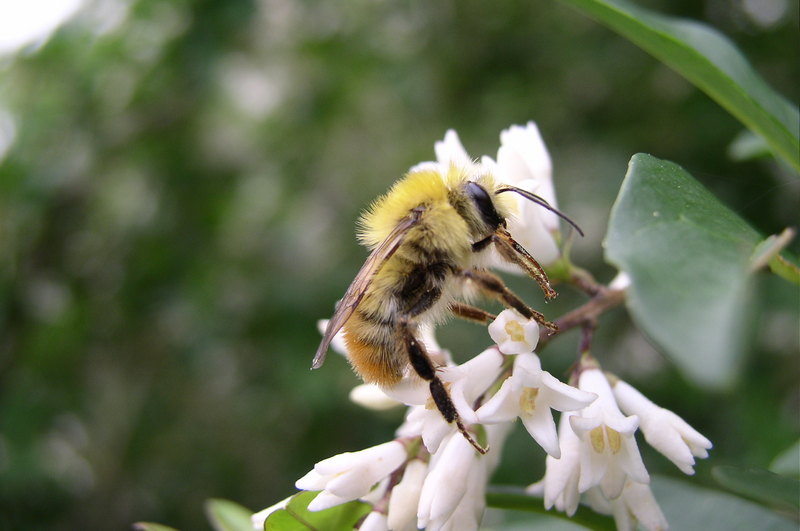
[177, 209]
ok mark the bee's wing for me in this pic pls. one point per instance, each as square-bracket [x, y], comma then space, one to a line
[354, 294]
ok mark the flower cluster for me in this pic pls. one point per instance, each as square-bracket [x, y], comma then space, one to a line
[430, 477]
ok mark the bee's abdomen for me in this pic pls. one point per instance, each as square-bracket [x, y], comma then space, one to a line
[373, 349]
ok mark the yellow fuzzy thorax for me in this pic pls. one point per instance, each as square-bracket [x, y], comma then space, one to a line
[426, 187]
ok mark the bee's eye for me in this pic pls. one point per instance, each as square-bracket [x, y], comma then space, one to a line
[484, 203]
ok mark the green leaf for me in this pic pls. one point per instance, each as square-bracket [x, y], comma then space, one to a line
[760, 484]
[711, 62]
[688, 506]
[226, 515]
[296, 516]
[516, 498]
[788, 461]
[151, 526]
[688, 258]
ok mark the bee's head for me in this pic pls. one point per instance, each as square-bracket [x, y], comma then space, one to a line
[485, 205]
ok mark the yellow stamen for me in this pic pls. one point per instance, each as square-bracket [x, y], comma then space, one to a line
[527, 400]
[515, 331]
[614, 439]
[598, 440]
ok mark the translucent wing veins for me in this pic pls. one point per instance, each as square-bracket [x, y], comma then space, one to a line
[358, 288]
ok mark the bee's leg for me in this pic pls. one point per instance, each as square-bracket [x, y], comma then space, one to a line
[424, 368]
[471, 313]
[513, 252]
[493, 286]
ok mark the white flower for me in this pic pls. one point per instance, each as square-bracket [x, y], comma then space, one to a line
[349, 476]
[465, 383]
[451, 151]
[608, 453]
[374, 521]
[664, 430]
[560, 482]
[636, 505]
[513, 333]
[404, 500]
[523, 161]
[372, 397]
[453, 493]
[530, 393]
[447, 481]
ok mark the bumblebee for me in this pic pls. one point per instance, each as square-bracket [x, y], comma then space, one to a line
[429, 238]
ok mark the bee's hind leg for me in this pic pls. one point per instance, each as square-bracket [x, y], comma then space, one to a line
[425, 369]
[493, 286]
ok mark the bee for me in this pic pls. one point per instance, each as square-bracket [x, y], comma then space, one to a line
[429, 238]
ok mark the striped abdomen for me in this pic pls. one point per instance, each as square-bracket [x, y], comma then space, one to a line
[411, 290]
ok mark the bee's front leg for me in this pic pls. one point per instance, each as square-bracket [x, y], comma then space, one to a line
[424, 367]
[493, 286]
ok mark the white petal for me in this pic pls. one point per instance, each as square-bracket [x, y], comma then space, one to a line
[405, 497]
[631, 460]
[372, 397]
[639, 500]
[563, 397]
[450, 150]
[446, 482]
[561, 476]
[312, 481]
[542, 428]
[326, 500]
[411, 390]
[502, 407]
[374, 521]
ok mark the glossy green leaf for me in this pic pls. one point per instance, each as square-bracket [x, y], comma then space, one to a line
[296, 516]
[688, 506]
[688, 258]
[761, 485]
[226, 515]
[711, 62]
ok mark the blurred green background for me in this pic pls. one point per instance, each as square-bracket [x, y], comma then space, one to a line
[179, 183]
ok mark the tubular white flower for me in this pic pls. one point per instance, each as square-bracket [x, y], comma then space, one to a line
[453, 494]
[446, 483]
[530, 393]
[349, 476]
[609, 453]
[403, 503]
[663, 430]
[466, 383]
[513, 333]
[374, 521]
[635, 505]
[450, 150]
[560, 482]
[372, 397]
[523, 161]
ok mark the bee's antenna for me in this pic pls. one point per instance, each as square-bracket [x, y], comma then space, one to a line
[530, 196]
